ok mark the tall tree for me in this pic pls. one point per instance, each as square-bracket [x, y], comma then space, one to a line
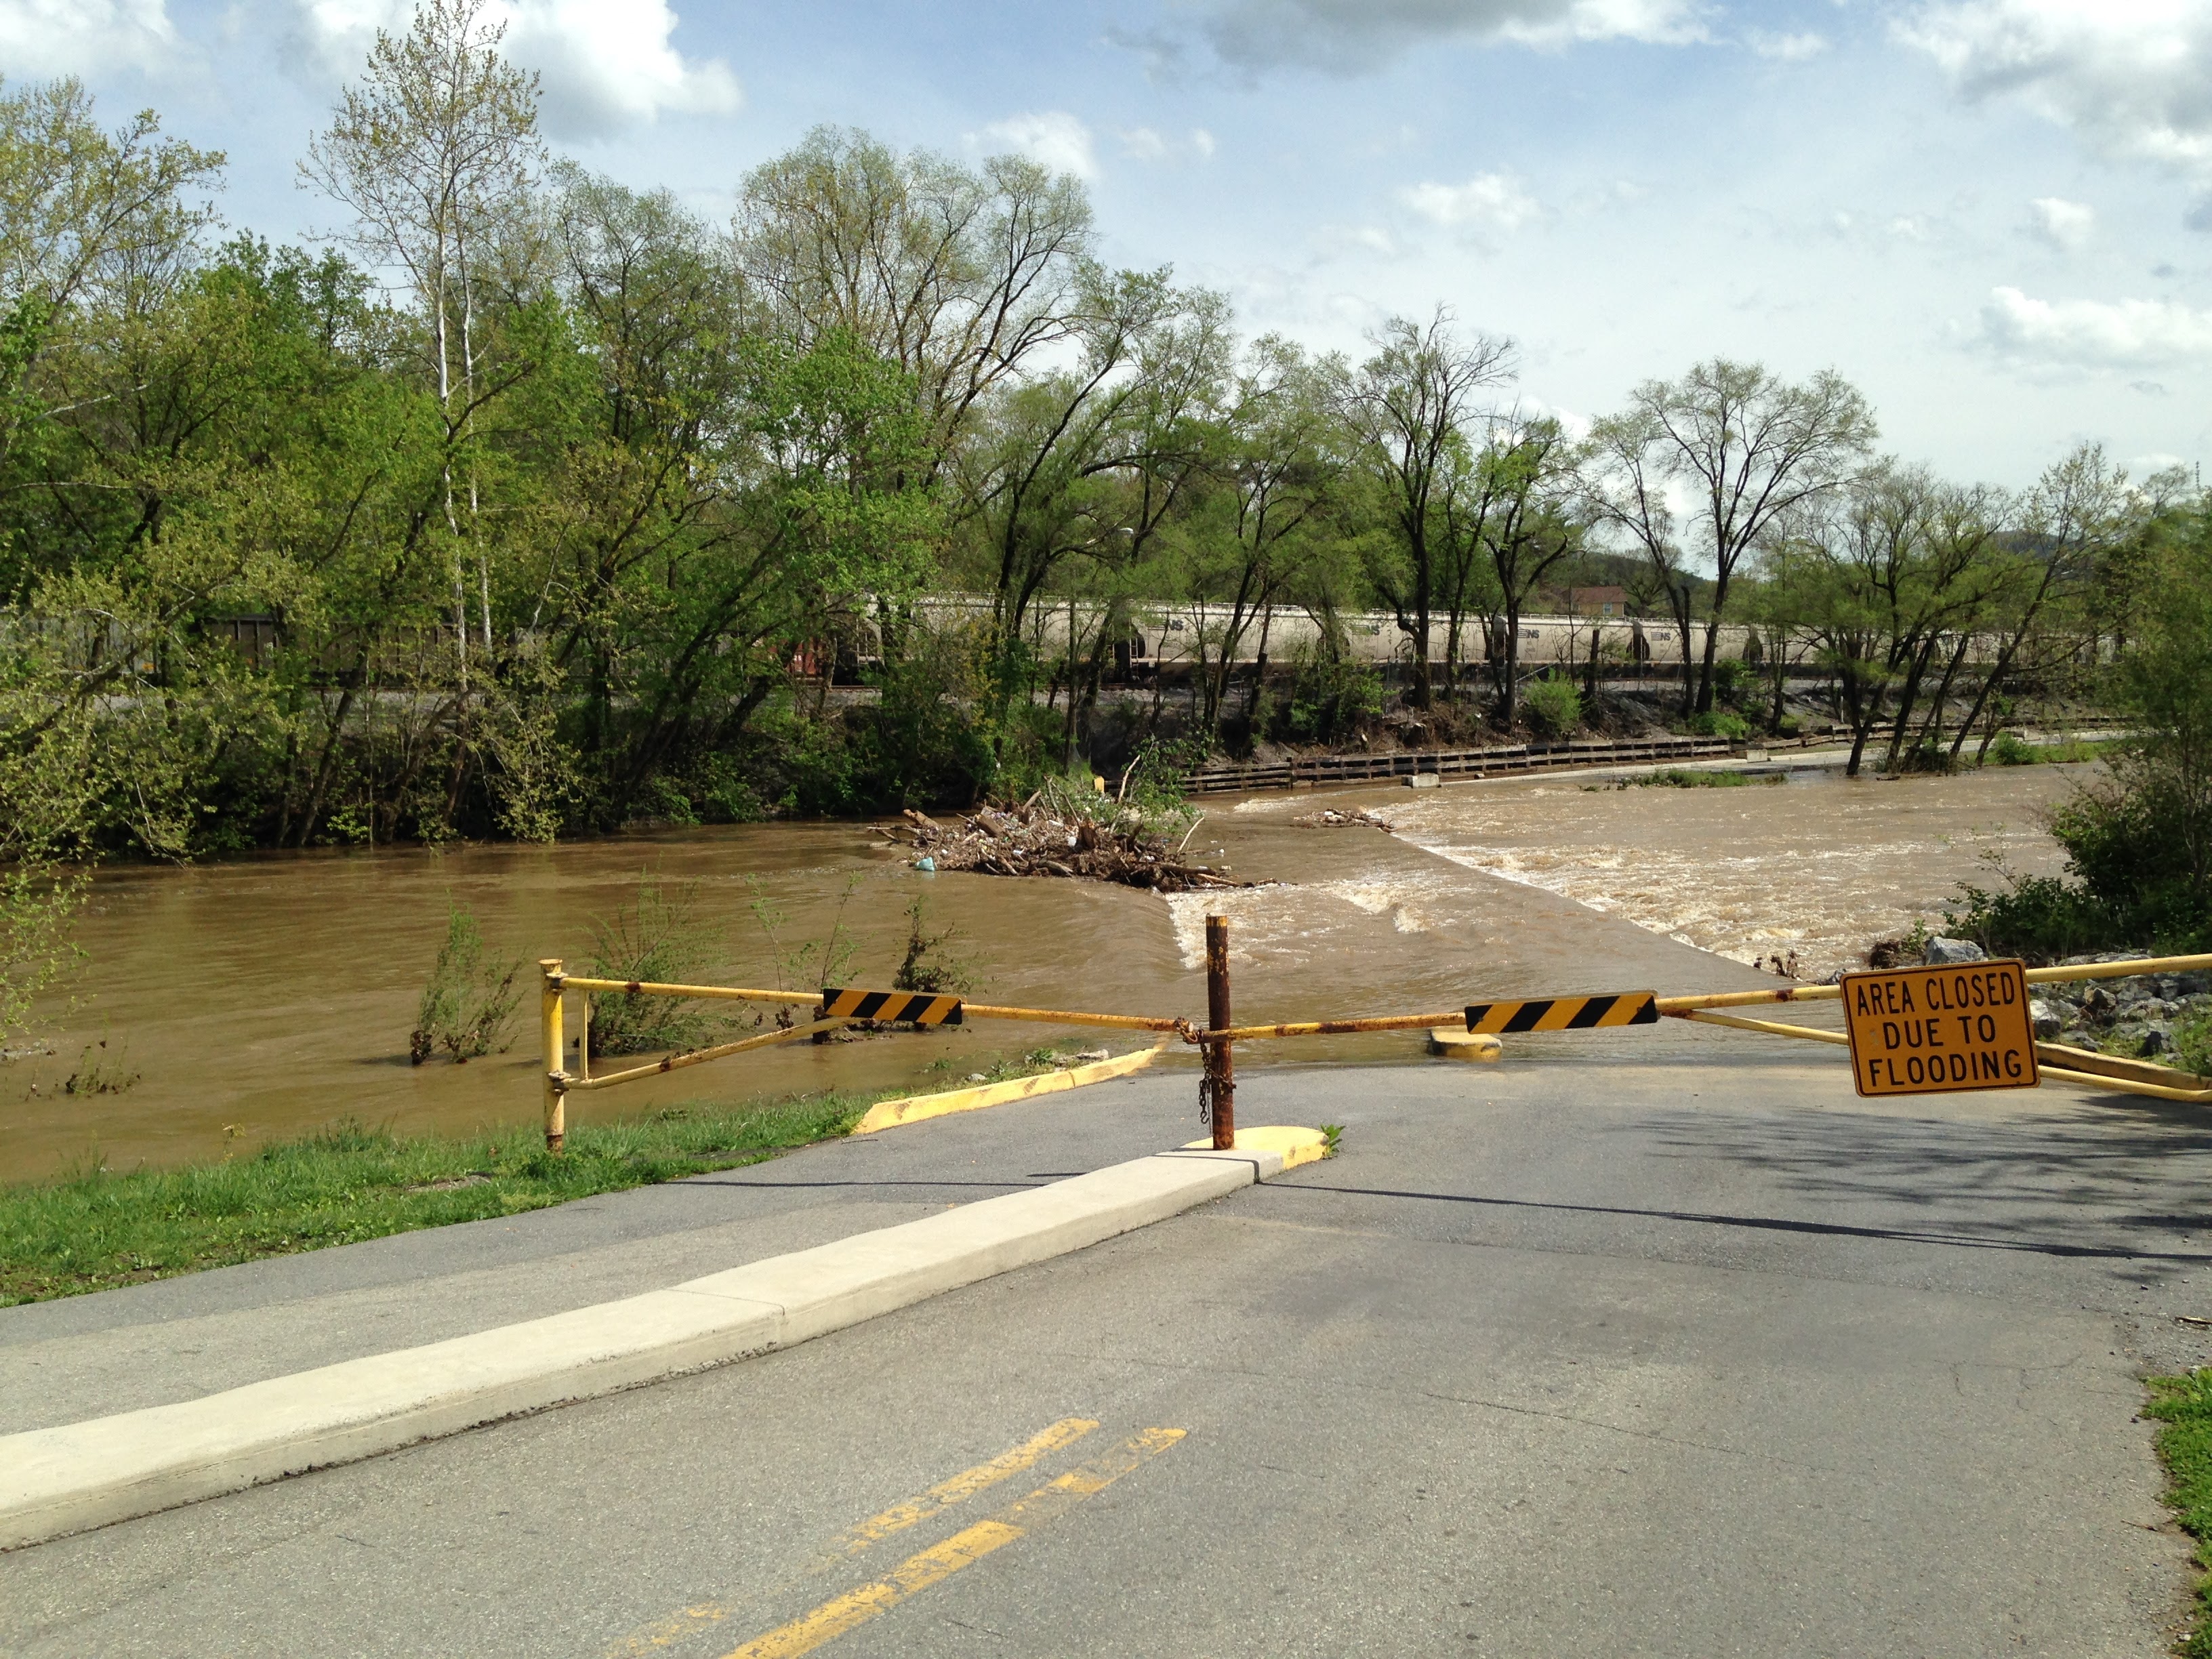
[962, 277]
[435, 151]
[1531, 526]
[1747, 445]
[2077, 512]
[1405, 406]
[1624, 489]
[1272, 476]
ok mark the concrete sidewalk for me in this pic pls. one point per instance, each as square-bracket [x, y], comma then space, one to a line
[178, 1339]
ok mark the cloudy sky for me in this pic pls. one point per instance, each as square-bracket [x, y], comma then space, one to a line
[1995, 216]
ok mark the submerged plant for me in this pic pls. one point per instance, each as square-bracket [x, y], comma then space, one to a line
[811, 964]
[659, 938]
[929, 966]
[99, 1072]
[470, 1002]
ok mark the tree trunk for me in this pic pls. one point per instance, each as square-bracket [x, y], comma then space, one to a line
[324, 767]
[1509, 702]
[1705, 671]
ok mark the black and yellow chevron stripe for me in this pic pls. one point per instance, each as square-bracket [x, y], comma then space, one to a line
[1564, 1013]
[892, 1007]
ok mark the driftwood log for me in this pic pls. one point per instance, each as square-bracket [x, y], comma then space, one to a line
[1030, 840]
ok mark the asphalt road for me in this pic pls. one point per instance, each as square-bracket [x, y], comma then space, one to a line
[1698, 1360]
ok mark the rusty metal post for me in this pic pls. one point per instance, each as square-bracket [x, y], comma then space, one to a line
[556, 1075]
[1220, 1065]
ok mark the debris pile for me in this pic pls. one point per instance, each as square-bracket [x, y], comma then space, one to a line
[1329, 819]
[1030, 840]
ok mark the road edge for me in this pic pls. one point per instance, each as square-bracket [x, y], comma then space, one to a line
[71, 1478]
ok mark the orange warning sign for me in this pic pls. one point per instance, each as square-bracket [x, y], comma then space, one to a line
[1919, 1031]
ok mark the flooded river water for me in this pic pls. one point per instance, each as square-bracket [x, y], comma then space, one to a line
[267, 996]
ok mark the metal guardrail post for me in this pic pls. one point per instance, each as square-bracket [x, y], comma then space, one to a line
[1221, 1066]
[557, 1077]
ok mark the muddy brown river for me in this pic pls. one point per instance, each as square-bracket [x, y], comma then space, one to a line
[264, 997]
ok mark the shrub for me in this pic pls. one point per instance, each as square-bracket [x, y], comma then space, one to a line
[1719, 723]
[807, 963]
[2039, 918]
[1328, 700]
[2010, 749]
[1553, 706]
[660, 940]
[929, 966]
[1679, 777]
[2193, 1042]
[1153, 781]
[470, 1001]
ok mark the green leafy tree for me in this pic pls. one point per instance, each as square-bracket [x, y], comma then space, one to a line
[1405, 408]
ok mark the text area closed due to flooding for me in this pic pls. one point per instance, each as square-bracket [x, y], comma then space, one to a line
[1917, 1030]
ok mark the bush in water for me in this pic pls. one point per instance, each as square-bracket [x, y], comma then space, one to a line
[660, 939]
[470, 1001]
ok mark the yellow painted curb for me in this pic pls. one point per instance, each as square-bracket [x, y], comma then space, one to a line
[1455, 1044]
[913, 1108]
[1296, 1146]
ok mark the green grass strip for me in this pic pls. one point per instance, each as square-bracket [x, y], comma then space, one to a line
[1677, 777]
[2184, 1404]
[92, 1232]
[95, 1232]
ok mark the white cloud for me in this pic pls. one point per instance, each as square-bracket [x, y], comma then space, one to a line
[1786, 48]
[2093, 333]
[71, 37]
[1333, 240]
[1489, 204]
[604, 64]
[1150, 144]
[1576, 423]
[1348, 36]
[2132, 77]
[1877, 232]
[2065, 225]
[1053, 138]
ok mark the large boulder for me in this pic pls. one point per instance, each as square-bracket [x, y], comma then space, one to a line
[1942, 953]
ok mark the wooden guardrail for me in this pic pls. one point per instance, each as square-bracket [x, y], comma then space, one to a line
[1503, 760]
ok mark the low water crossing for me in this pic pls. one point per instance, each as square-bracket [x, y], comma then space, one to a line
[268, 996]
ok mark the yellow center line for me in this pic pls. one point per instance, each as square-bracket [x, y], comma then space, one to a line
[966, 1484]
[855, 1539]
[917, 1572]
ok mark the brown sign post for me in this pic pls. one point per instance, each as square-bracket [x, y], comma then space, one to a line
[1926, 1031]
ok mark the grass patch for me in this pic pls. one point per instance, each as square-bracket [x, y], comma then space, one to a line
[95, 1232]
[1681, 777]
[2010, 750]
[2184, 1406]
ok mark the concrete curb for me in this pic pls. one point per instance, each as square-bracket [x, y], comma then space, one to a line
[917, 1108]
[1293, 1146]
[66, 1480]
